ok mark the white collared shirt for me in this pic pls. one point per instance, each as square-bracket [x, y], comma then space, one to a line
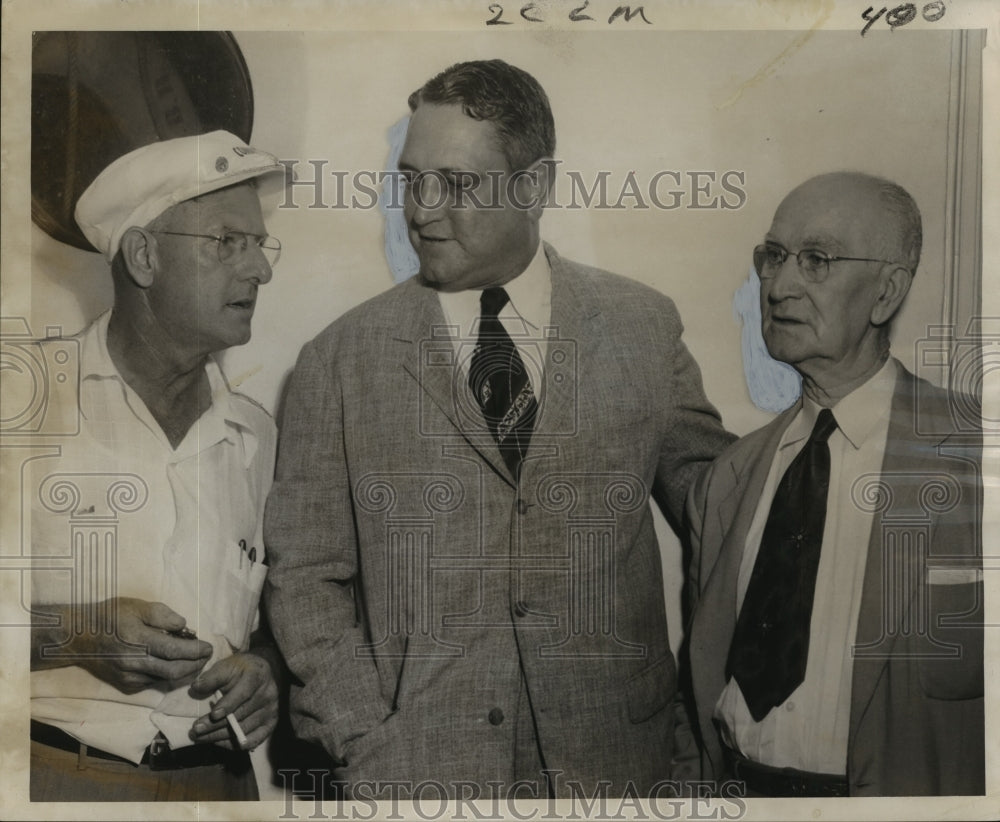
[119, 512]
[809, 730]
[526, 316]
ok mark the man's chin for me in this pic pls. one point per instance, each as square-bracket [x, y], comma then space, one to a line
[235, 337]
[428, 276]
[442, 280]
[784, 345]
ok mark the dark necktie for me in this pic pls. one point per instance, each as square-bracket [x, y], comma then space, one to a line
[771, 643]
[501, 384]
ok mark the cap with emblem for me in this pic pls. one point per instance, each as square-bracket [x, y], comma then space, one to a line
[141, 185]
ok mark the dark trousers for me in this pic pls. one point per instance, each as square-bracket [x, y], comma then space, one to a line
[63, 776]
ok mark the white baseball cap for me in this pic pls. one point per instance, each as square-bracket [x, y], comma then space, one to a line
[141, 185]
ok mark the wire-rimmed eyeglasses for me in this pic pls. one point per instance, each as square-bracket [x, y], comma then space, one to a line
[232, 246]
[814, 264]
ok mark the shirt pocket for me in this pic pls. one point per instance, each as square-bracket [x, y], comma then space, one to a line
[234, 602]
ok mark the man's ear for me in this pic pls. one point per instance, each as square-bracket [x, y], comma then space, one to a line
[139, 253]
[894, 283]
[530, 186]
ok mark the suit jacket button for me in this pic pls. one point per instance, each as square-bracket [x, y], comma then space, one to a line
[496, 716]
[520, 609]
[522, 507]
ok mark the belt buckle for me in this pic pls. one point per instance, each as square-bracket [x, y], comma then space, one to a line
[161, 758]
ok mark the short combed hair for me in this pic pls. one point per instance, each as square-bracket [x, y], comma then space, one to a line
[502, 94]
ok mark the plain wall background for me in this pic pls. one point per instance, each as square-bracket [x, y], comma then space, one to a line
[764, 103]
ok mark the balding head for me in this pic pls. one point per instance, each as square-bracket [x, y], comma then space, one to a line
[895, 219]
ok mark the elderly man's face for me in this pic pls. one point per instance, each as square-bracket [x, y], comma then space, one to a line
[824, 326]
[201, 302]
[470, 238]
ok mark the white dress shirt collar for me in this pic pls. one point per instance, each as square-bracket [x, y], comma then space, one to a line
[530, 300]
[224, 419]
[531, 294]
[854, 413]
[525, 317]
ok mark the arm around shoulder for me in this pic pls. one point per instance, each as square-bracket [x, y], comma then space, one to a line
[695, 436]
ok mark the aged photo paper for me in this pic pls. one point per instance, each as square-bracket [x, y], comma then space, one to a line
[680, 127]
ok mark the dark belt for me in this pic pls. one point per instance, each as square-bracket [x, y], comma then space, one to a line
[769, 781]
[159, 756]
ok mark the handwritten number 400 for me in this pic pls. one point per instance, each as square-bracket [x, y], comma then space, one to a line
[901, 15]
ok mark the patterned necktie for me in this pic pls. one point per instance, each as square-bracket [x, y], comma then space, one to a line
[501, 384]
[771, 643]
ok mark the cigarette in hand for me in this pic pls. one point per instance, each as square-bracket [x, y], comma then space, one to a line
[241, 738]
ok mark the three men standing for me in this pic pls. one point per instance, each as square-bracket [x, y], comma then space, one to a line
[465, 579]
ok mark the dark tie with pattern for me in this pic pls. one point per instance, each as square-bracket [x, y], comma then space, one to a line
[771, 643]
[501, 384]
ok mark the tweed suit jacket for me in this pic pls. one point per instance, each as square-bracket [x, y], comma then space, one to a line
[413, 579]
[916, 723]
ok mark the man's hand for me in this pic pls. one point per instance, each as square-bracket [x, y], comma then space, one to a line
[139, 654]
[249, 693]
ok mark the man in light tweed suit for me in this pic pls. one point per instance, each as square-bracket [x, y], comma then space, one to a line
[465, 577]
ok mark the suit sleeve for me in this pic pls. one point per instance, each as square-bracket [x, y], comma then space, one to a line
[313, 549]
[694, 518]
[694, 435]
[686, 765]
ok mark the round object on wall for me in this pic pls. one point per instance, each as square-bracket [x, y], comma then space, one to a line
[96, 95]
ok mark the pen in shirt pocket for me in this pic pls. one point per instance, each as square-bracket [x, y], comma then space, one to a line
[251, 552]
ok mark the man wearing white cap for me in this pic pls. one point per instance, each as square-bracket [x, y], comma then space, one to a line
[144, 684]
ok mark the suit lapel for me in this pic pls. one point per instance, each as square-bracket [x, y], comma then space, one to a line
[732, 504]
[574, 336]
[428, 355]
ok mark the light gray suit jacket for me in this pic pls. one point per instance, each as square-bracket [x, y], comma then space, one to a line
[412, 579]
[916, 724]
